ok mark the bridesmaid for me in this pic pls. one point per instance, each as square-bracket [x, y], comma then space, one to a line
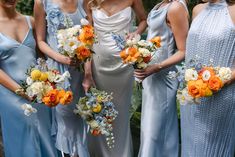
[159, 122]
[109, 73]
[22, 136]
[50, 16]
[208, 128]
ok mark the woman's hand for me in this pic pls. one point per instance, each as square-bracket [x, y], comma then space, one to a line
[143, 73]
[66, 60]
[88, 82]
[131, 35]
[21, 93]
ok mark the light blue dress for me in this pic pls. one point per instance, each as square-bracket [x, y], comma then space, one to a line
[208, 128]
[69, 129]
[23, 136]
[159, 122]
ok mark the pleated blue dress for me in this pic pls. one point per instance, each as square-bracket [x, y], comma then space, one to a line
[208, 129]
[69, 129]
[159, 122]
[23, 136]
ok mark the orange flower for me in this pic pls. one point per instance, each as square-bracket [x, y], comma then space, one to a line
[96, 132]
[156, 41]
[215, 83]
[83, 53]
[51, 99]
[130, 55]
[87, 36]
[210, 69]
[65, 97]
[198, 89]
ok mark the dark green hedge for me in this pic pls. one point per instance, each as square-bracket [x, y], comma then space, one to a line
[26, 6]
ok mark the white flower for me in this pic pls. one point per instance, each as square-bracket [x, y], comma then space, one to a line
[66, 74]
[134, 40]
[225, 73]
[143, 43]
[59, 79]
[28, 109]
[184, 98]
[29, 81]
[191, 74]
[145, 52]
[206, 75]
[51, 76]
[93, 124]
[35, 89]
[84, 22]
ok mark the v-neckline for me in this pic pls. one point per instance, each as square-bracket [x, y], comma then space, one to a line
[105, 12]
[19, 42]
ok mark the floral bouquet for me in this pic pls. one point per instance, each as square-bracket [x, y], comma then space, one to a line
[97, 109]
[137, 52]
[45, 86]
[76, 42]
[200, 81]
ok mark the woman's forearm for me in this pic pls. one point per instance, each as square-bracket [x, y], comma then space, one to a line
[8, 82]
[141, 27]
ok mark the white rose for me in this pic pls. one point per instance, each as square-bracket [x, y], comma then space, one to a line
[184, 98]
[191, 74]
[206, 75]
[145, 52]
[28, 109]
[225, 73]
[84, 22]
[29, 81]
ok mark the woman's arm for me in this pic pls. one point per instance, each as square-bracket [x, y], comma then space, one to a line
[178, 21]
[40, 25]
[139, 10]
[10, 84]
[88, 11]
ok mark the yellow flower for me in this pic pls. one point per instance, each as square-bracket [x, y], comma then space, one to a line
[97, 108]
[99, 99]
[35, 75]
[43, 77]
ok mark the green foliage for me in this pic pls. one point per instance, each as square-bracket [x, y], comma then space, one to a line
[25, 7]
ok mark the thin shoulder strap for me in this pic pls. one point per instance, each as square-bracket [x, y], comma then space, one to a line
[184, 4]
[29, 21]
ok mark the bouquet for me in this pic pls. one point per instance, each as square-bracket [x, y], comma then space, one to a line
[76, 42]
[199, 81]
[97, 109]
[137, 52]
[44, 85]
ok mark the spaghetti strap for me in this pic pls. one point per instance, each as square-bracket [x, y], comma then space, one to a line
[29, 21]
[184, 4]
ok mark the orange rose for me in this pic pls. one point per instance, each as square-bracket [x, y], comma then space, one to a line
[123, 54]
[198, 89]
[51, 99]
[83, 53]
[87, 36]
[215, 83]
[65, 97]
[156, 41]
[96, 132]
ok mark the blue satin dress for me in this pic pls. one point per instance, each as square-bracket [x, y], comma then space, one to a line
[69, 129]
[159, 122]
[23, 136]
[208, 129]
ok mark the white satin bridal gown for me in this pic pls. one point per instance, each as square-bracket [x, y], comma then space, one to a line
[112, 75]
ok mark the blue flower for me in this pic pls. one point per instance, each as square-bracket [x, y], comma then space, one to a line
[55, 18]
